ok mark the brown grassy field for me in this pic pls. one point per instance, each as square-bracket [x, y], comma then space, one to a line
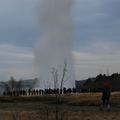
[83, 106]
[65, 116]
[81, 99]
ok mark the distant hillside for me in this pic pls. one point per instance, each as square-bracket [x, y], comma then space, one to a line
[96, 84]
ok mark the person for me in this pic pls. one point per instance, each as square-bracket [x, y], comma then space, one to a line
[106, 95]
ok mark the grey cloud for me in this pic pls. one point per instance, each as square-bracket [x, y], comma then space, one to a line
[97, 22]
[16, 61]
[17, 12]
[19, 36]
[18, 22]
[97, 37]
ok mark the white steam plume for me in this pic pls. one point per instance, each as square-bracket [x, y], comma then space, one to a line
[55, 44]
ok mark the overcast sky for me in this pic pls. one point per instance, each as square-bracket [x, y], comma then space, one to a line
[96, 34]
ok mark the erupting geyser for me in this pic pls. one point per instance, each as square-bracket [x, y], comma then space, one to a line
[55, 44]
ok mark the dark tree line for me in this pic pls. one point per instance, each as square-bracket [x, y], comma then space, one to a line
[96, 84]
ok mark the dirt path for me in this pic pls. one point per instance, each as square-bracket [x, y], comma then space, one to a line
[38, 106]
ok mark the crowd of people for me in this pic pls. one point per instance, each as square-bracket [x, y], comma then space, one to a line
[37, 92]
[105, 99]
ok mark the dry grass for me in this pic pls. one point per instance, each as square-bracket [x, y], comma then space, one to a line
[70, 99]
[83, 99]
[68, 115]
[90, 99]
[28, 107]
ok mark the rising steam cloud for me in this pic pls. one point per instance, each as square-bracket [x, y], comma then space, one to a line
[55, 44]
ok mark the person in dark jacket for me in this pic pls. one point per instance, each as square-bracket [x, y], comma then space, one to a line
[106, 95]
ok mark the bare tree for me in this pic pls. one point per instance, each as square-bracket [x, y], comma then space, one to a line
[12, 83]
[63, 76]
[55, 77]
[57, 81]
